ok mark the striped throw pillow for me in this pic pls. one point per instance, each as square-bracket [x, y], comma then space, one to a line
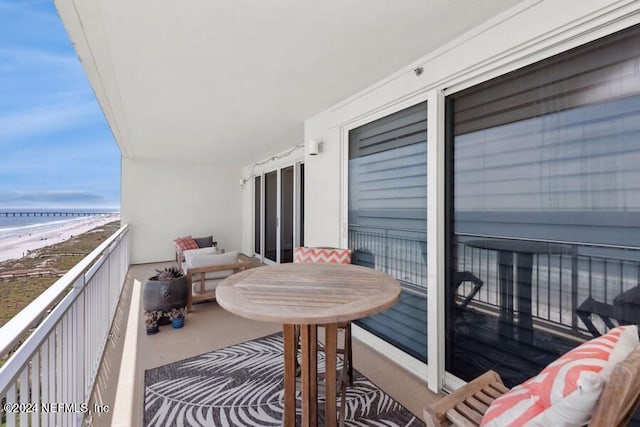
[567, 390]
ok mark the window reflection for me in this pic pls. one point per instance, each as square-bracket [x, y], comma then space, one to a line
[545, 231]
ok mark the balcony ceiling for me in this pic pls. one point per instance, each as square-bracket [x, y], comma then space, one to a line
[234, 80]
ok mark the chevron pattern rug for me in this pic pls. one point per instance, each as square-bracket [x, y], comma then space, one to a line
[241, 385]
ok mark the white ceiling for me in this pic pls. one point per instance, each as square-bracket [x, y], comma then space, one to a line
[234, 80]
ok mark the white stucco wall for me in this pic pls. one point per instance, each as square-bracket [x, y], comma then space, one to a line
[162, 200]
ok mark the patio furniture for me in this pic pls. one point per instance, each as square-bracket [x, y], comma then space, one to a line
[524, 251]
[331, 256]
[468, 405]
[308, 295]
[625, 310]
[206, 270]
[186, 243]
[460, 277]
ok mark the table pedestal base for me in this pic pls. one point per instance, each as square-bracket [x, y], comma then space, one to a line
[309, 374]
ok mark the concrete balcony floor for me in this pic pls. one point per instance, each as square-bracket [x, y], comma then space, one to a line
[129, 352]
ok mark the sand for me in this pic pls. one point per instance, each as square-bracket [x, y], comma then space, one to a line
[18, 246]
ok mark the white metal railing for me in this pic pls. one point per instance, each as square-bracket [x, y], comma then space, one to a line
[48, 379]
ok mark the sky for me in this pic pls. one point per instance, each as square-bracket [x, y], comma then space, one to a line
[56, 148]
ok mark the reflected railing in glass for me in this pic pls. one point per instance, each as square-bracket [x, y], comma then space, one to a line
[401, 253]
[584, 288]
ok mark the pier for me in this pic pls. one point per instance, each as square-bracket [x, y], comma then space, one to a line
[51, 213]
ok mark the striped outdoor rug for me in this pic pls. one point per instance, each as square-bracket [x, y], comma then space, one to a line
[241, 385]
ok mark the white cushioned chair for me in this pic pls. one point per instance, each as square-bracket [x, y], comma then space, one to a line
[205, 269]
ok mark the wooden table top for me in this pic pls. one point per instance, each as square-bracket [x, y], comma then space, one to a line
[308, 293]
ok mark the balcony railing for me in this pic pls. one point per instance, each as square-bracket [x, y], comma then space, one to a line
[560, 282]
[54, 346]
[401, 253]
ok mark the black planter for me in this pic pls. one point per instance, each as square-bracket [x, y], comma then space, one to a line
[152, 330]
[165, 295]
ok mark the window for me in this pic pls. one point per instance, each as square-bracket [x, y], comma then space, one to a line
[278, 213]
[388, 217]
[544, 209]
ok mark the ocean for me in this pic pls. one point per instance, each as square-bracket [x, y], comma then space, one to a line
[32, 221]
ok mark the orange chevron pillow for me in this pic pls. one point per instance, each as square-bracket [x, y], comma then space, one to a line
[567, 390]
[324, 255]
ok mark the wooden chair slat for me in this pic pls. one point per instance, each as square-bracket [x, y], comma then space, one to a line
[477, 405]
[436, 414]
[458, 419]
[469, 412]
[499, 387]
[484, 398]
[492, 392]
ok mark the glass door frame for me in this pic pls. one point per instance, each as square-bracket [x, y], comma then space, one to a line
[408, 362]
[297, 184]
[433, 372]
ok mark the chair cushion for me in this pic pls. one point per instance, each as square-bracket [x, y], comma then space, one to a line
[567, 390]
[198, 260]
[188, 254]
[209, 286]
[204, 242]
[324, 255]
[185, 243]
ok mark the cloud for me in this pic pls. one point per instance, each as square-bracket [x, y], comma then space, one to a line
[47, 119]
[57, 150]
[50, 198]
[39, 58]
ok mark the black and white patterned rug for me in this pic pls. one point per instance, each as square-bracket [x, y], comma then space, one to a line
[241, 385]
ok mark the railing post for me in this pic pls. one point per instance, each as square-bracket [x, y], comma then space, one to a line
[386, 251]
[574, 288]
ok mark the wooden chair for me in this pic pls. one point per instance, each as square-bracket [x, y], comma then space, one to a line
[460, 277]
[624, 310]
[332, 255]
[467, 405]
[204, 291]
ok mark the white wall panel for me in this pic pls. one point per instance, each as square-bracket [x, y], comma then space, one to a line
[162, 200]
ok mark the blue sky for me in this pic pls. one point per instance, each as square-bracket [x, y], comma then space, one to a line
[56, 147]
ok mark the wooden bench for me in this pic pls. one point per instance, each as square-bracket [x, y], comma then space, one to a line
[467, 405]
[198, 276]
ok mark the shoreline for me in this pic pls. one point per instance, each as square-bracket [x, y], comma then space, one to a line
[16, 247]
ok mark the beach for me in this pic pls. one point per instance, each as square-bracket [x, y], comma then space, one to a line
[17, 246]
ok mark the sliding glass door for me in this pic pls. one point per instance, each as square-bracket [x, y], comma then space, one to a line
[278, 213]
[544, 209]
[287, 213]
[388, 219]
[270, 223]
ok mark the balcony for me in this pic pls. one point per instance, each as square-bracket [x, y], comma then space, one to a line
[429, 149]
[91, 347]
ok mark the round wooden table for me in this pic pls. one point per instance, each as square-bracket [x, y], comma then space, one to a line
[308, 294]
